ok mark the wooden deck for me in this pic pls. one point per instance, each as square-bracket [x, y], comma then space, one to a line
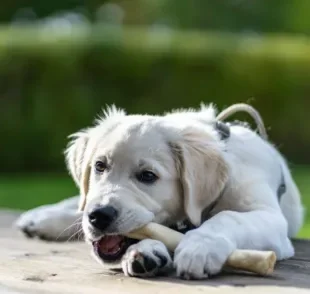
[32, 266]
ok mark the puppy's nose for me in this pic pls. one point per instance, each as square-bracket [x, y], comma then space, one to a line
[102, 217]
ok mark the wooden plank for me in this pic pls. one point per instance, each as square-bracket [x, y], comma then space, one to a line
[34, 266]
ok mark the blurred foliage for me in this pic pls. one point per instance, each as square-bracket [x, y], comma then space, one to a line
[53, 82]
[257, 16]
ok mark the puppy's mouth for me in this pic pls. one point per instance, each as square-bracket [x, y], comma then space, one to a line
[111, 248]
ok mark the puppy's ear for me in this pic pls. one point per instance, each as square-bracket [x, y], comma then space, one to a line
[202, 170]
[75, 160]
[80, 149]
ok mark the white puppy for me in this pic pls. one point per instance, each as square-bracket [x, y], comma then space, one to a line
[232, 185]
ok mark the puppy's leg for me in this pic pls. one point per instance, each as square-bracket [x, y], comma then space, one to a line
[291, 205]
[203, 251]
[54, 222]
[146, 259]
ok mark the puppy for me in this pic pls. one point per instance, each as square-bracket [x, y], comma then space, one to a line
[233, 186]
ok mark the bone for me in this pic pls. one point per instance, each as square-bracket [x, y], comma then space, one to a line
[254, 261]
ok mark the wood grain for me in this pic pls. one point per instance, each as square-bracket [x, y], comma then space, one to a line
[37, 267]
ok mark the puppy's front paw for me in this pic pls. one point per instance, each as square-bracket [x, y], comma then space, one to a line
[146, 259]
[49, 223]
[199, 256]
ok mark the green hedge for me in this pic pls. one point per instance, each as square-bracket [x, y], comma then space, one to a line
[290, 16]
[53, 83]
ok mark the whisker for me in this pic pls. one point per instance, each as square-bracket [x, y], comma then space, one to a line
[77, 222]
[76, 233]
[81, 236]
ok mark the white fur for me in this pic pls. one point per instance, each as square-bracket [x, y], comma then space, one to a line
[195, 168]
[58, 222]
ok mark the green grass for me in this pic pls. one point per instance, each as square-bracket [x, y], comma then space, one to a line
[25, 192]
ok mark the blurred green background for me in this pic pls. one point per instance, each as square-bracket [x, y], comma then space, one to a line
[62, 61]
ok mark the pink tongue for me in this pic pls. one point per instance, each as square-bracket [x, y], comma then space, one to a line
[110, 243]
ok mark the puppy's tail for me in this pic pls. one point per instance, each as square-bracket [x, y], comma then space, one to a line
[248, 109]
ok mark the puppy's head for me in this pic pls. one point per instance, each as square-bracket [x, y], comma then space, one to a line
[132, 170]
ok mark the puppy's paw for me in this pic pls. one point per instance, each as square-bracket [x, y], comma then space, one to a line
[50, 223]
[197, 257]
[146, 259]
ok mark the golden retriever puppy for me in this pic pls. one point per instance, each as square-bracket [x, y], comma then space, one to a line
[232, 185]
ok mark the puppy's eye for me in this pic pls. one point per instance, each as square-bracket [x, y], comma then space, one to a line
[100, 166]
[146, 177]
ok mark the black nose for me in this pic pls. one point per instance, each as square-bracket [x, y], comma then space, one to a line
[102, 217]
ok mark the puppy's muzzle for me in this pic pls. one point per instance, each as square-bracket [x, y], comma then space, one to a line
[102, 217]
[109, 248]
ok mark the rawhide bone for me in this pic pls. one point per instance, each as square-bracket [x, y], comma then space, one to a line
[258, 262]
